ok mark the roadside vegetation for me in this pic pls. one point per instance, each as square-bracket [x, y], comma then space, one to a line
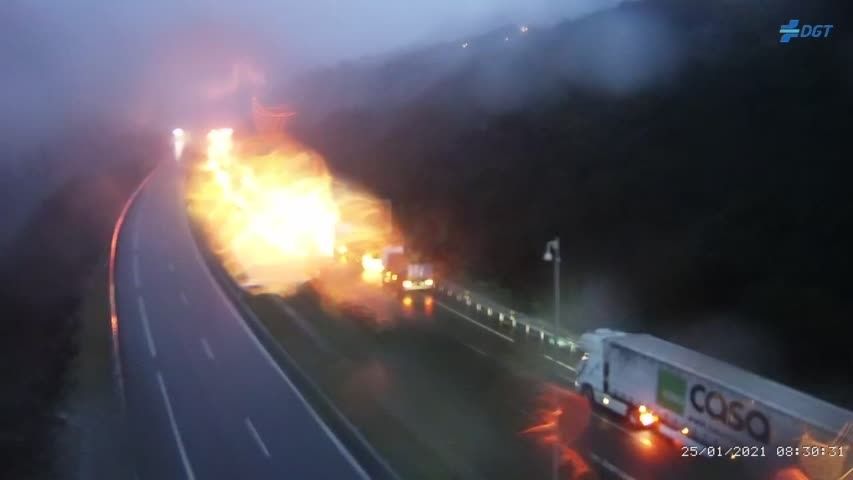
[701, 195]
[48, 268]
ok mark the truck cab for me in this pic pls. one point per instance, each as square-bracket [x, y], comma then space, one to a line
[591, 380]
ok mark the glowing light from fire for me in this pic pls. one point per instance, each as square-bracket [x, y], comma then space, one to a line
[561, 419]
[273, 212]
[371, 263]
[647, 418]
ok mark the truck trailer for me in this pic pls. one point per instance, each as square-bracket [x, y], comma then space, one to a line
[700, 401]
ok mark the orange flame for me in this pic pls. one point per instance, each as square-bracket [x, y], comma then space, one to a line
[273, 212]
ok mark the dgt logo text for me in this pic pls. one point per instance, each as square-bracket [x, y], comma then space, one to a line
[792, 29]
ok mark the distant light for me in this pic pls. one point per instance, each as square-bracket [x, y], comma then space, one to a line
[465, 45]
[642, 409]
[685, 431]
[429, 282]
[178, 132]
[524, 29]
[408, 284]
[605, 401]
[506, 39]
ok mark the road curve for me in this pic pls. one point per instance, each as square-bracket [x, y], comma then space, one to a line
[204, 399]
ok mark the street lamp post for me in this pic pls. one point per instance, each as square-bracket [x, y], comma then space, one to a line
[552, 254]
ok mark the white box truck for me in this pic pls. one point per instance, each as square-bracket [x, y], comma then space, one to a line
[698, 400]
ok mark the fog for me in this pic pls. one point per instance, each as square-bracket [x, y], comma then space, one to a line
[132, 66]
[155, 62]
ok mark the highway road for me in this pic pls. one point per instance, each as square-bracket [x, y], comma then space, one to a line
[204, 400]
[459, 390]
[440, 394]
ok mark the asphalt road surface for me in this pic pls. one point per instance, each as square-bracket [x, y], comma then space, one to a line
[204, 400]
[441, 392]
[460, 391]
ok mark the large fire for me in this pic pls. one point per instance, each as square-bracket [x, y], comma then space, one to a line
[273, 212]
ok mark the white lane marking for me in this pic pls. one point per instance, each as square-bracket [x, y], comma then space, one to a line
[475, 349]
[184, 298]
[137, 282]
[145, 326]
[135, 239]
[266, 355]
[611, 422]
[171, 267]
[610, 467]
[343, 451]
[549, 357]
[466, 317]
[257, 437]
[184, 459]
[207, 350]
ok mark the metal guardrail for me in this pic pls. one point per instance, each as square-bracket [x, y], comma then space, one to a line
[532, 326]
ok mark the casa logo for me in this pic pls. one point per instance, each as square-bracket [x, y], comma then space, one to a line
[733, 414]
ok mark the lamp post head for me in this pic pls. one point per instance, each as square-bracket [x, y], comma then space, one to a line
[552, 250]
